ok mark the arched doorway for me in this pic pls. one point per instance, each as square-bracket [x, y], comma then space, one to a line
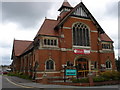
[82, 67]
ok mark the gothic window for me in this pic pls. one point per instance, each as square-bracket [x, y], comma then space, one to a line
[80, 35]
[49, 65]
[95, 65]
[108, 64]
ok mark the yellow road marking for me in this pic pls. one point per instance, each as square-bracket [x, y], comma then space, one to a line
[17, 84]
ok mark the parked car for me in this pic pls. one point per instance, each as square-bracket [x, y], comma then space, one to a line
[5, 72]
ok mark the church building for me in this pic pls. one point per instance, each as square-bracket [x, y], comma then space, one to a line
[75, 40]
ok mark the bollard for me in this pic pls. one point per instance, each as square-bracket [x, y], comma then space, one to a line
[90, 77]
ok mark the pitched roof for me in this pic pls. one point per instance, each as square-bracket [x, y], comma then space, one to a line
[47, 28]
[65, 4]
[19, 46]
[28, 48]
[87, 11]
[105, 37]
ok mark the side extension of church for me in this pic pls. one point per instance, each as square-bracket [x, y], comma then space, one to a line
[74, 39]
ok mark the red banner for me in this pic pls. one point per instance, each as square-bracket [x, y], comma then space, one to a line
[81, 51]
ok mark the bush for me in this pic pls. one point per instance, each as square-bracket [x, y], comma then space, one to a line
[82, 80]
[111, 75]
[75, 80]
[20, 74]
[11, 74]
[99, 79]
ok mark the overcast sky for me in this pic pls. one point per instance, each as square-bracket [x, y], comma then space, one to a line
[22, 20]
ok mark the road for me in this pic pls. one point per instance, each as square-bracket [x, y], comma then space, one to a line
[11, 83]
[8, 84]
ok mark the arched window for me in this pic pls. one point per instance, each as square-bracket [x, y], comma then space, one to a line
[49, 65]
[108, 64]
[80, 35]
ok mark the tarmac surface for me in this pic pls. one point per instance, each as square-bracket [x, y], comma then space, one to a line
[22, 83]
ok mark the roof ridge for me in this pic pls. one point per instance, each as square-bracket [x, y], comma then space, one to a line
[40, 28]
[51, 19]
[24, 40]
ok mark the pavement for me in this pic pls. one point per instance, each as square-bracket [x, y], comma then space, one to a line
[29, 83]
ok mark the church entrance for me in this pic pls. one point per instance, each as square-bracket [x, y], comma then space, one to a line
[82, 67]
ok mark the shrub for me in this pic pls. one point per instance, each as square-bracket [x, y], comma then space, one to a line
[20, 74]
[99, 79]
[11, 74]
[84, 80]
[75, 80]
[111, 75]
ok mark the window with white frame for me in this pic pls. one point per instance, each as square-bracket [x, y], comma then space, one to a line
[49, 65]
[108, 65]
[106, 46]
[80, 35]
[50, 42]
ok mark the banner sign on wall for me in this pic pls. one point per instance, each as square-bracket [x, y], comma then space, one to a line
[81, 51]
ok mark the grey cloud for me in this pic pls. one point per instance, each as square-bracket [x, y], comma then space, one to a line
[6, 60]
[119, 25]
[27, 14]
[0, 12]
[119, 8]
[5, 45]
[112, 9]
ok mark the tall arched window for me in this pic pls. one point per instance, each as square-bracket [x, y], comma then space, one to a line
[49, 65]
[80, 35]
[108, 64]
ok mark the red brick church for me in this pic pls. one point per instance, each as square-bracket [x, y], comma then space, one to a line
[75, 39]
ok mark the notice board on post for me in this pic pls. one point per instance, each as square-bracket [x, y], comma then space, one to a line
[71, 72]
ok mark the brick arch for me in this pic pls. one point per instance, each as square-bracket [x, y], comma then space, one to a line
[81, 56]
[50, 60]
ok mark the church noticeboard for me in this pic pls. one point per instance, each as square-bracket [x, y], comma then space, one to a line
[71, 72]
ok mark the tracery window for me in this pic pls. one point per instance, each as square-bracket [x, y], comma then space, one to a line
[108, 64]
[49, 65]
[80, 35]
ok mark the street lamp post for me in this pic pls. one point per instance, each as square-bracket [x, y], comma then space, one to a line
[64, 67]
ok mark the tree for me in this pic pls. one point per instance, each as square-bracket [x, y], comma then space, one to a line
[118, 63]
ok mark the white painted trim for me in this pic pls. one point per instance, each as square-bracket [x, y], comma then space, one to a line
[80, 18]
[84, 47]
[94, 51]
[94, 31]
[67, 28]
[48, 72]
[106, 51]
[49, 48]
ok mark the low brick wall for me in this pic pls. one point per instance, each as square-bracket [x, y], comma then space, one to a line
[106, 83]
[86, 84]
[71, 84]
[50, 81]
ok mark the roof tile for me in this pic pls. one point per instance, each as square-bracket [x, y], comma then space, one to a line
[48, 28]
[105, 37]
[20, 46]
